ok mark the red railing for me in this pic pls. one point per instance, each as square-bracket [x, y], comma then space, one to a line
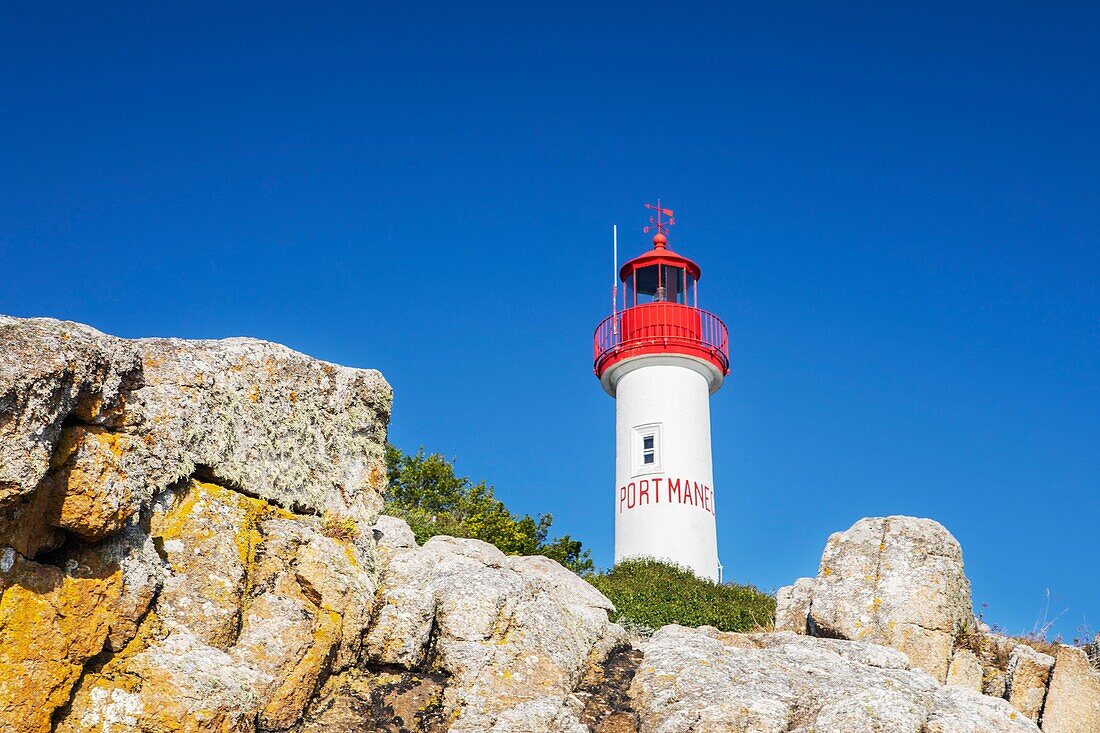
[661, 325]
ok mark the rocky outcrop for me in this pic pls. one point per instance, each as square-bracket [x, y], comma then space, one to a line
[164, 562]
[896, 581]
[256, 607]
[792, 606]
[705, 680]
[190, 542]
[899, 582]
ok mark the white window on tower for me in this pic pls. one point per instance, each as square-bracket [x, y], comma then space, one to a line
[647, 449]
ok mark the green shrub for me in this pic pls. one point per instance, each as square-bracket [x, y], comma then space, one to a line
[650, 594]
[426, 493]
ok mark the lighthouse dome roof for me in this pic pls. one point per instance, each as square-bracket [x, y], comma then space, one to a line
[659, 255]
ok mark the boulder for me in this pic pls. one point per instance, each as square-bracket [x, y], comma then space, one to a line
[92, 427]
[514, 635]
[1073, 700]
[95, 488]
[300, 433]
[896, 581]
[699, 679]
[1026, 680]
[393, 533]
[206, 535]
[52, 623]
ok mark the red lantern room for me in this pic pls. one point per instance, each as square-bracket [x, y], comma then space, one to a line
[660, 310]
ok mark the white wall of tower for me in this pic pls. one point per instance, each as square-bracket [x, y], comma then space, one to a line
[665, 509]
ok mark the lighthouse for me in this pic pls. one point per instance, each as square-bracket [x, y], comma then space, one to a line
[661, 357]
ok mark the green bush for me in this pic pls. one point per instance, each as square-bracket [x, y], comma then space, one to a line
[650, 594]
[426, 493]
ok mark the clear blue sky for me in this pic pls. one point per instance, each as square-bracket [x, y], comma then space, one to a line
[896, 208]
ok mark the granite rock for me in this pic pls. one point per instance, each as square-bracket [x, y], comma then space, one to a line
[514, 635]
[697, 679]
[896, 581]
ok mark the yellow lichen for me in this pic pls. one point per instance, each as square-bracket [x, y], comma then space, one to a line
[50, 625]
[116, 443]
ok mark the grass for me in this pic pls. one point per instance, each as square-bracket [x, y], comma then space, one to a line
[1092, 649]
[994, 648]
[649, 594]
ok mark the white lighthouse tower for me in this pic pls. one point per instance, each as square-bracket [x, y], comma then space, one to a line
[661, 358]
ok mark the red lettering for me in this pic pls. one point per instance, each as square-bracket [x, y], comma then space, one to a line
[674, 487]
[681, 491]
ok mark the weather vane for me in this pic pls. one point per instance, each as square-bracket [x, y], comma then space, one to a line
[656, 223]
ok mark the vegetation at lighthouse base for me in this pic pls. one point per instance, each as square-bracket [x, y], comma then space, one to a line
[649, 594]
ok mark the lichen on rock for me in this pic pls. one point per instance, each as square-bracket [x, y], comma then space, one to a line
[52, 623]
[161, 567]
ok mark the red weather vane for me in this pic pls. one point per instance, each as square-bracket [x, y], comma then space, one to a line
[655, 222]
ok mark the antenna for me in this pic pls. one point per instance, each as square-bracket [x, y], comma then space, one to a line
[615, 278]
[656, 223]
[615, 255]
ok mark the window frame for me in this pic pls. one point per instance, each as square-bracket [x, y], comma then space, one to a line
[638, 449]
